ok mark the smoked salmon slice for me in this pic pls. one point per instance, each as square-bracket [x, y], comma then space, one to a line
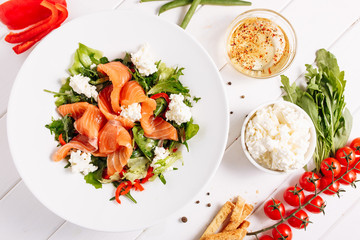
[163, 129]
[115, 141]
[118, 159]
[90, 123]
[108, 137]
[75, 110]
[131, 93]
[104, 103]
[118, 74]
[80, 142]
[156, 128]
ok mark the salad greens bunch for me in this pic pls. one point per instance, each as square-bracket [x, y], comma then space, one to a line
[323, 100]
[165, 80]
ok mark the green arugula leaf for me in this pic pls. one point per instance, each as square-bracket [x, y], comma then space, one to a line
[94, 178]
[64, 126]
[191, 129]
[324, 101]
[290, 90]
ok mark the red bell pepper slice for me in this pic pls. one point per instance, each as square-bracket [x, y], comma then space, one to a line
[61, 140]
[19, 14]
[138, 186]
[148, 175]
[20, 48]
[159, 95]
[122, 189]
[53, 21]
[118, 190]
[105, 175]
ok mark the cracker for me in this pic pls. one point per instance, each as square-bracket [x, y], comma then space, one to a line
[247, 210]
[236, 234]
[218, 219]
[235, 218]
[244, 225]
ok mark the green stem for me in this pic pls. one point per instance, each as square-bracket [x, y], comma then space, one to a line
[180, 3]
[300, 207]
[190, 13]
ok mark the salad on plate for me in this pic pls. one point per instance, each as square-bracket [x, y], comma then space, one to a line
[122, 121]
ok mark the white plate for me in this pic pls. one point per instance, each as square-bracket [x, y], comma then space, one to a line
[30, 108]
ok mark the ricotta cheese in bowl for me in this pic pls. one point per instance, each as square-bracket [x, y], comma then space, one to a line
[279, 137]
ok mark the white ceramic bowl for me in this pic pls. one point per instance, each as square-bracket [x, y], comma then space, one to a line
[309, 153]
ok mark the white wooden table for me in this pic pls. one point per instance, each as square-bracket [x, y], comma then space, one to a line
[329, 24]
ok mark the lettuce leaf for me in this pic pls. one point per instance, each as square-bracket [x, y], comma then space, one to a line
[84, 57]
[161, 165]
[137, 168]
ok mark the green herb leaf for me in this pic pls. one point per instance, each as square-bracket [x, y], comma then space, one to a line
[290, 90]
[146, 145]
[323, 100]
[162, 178]
[191, 129]
[161, 106]
[94, 178]
[83, 58]
[64, 126]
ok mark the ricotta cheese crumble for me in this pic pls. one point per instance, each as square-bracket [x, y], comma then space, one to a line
[81, 162]
[81, 85]
[278, 137]
[178, 111]
[160, 153]
[144, 60]
[131, 112]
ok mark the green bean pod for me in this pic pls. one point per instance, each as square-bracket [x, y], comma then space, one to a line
[180, 3]
[190, 13]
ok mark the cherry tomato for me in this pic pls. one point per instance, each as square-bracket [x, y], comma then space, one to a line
[274, 209]
[355, 145]
[295, 221]
[348, 178]
[294, 195]
[283, 231]
[326, 181]
[316, 205]
[266, 237]
[310, 181]
[329, 164]
[345, 156]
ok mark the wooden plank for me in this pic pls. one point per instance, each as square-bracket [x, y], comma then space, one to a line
[8, 174]
[24, 217]
[346, 225]
[72, 231]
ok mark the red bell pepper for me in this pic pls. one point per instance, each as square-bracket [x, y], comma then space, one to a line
[31, 37]
[19, 14]
[159, 95]
[138, 186]
[122, 189]
[148, 175]
[61, 140]
[36, 29]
